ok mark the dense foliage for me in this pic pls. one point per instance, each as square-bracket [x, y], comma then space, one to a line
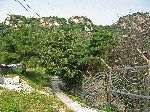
[69, 50]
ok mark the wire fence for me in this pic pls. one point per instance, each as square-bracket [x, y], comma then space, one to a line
[124, 89]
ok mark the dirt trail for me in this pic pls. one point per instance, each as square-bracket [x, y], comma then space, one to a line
[66, 100]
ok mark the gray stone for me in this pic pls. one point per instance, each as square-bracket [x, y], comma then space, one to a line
[13, 87]
[8, 81]
[1, 80]
[16, 80]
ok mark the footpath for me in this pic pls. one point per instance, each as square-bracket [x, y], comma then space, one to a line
[66, 100]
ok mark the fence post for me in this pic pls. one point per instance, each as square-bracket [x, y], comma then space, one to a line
[146, 106]
[108, 86]
[107, 83]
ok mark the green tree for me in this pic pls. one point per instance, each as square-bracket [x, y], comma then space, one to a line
[19, 46]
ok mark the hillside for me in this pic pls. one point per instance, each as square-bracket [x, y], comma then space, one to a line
[16, 20]
[133, 30]
[69, 48]
[76, 50]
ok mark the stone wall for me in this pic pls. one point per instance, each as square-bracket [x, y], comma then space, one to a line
[10, 68]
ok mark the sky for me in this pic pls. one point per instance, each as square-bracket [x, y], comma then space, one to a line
[101, 12]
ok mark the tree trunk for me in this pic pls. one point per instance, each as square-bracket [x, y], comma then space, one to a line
[23, 68]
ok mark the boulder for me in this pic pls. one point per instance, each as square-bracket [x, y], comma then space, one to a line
[16, 80]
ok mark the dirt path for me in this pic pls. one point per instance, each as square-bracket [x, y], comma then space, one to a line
[65, 99]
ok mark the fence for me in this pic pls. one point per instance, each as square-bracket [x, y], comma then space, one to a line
[124, 89]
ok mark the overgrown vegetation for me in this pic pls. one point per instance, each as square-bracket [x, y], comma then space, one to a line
[72, 49]
[36, 77]
[133, 32]
[11, 101]
[69, 50]
[31, 102]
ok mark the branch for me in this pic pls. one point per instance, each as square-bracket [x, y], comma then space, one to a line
[142, 54]
[105, 63]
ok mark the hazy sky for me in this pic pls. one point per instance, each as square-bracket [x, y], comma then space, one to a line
[103, 12]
